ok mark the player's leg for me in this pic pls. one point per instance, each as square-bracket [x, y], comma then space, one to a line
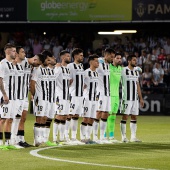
[86, 114]
[21, 128]
[111, 121]
[126, 107]
[133, 122]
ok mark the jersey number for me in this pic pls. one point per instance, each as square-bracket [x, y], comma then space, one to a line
[40, 108]
[5, 109]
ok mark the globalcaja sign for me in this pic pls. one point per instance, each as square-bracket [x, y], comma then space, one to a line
[151, 10]
[79, 10]
[11, 10]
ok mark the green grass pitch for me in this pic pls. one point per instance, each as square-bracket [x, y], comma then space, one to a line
[152, 153]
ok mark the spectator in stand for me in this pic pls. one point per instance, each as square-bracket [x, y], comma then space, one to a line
[37, 47]
[147, 80]
[124, 59]
[130, 47]
[28, 49]
[47, 45]
[142, 59]
[166, 68]
[167, 46]
[161, 56]
[157, 78]
[154, 56]
[148, 61]
[56, 50]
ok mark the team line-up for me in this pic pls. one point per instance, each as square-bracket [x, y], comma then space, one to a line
[62, 93]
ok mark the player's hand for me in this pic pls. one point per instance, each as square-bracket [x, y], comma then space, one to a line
[142, 103]
[6, 99]
[58, 65]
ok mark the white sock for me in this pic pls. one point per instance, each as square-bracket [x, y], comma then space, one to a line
[47, 134]
[88, 132]
[133, 128]
[95, 130]
[55, 131]
[103, 124]
[1, 142]
[123, 128]
[62, 131]
[14, 130]
[74, 126]
[37, 135]
[83, 129]
[67, 129]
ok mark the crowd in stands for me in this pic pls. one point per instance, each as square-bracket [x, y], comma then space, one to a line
[153, 53]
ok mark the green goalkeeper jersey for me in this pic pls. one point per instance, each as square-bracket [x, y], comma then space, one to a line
[115, 76]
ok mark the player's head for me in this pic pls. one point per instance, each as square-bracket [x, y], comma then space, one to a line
[109, 54]
[117, 60]
[93, 60]
[48, 57]
[20, 53]
[65, 56]
[132, 60]
[40, 59]
[10, 51]
[77, 55]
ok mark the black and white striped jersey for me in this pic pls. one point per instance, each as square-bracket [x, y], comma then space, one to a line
[27, 69]
[91, 82]
[104, 79]
[62, 82]
[7, 72]
[19, 81]
[52, 84]
[41, 77]
[77, 75]
[129, 79]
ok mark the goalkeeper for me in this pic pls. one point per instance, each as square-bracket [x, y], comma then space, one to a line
[115, 76]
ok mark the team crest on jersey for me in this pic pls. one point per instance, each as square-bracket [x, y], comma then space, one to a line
[38, 113]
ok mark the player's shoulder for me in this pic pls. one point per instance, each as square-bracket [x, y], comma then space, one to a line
[3, 61]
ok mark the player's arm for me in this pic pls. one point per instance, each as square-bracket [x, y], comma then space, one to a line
[2, 89]
[140, 95]
[34, 78]
[32, 87]
[71, 73]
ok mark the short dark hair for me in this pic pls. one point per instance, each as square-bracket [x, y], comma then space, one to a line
[76, 51]
[41, 57]
[9, 45]
[18, 49]
[109, 50]
[63, 52]
[118, 53]
[92, 57]
[47, 53]
[129, 58]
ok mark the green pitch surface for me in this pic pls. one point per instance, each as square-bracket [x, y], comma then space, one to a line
[152, 153]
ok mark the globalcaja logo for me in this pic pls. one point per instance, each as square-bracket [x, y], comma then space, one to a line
[140, 9]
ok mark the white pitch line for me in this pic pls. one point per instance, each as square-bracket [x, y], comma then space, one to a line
[35, 153]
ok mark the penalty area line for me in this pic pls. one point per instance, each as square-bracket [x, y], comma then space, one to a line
[35, 153]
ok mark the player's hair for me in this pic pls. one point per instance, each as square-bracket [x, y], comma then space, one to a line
[118, 53]
[63, 52]
[18, 49]
[129, 58]
[76, 51]
[109, 50]
[92, 57]
[47, 53]
[9, 45]
[41, 57]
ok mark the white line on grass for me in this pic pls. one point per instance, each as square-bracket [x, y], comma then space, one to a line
[35, 153]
